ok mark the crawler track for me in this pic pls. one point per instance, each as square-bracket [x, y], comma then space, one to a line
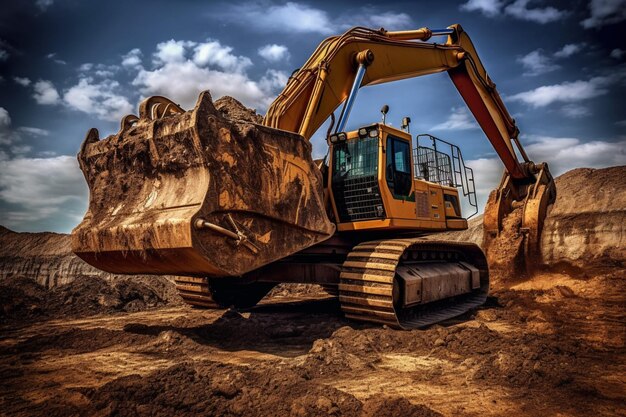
[366, 289]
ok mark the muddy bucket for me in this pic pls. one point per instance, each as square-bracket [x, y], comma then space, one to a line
[198, 193]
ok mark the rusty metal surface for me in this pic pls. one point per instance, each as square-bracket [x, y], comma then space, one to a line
[151, 181]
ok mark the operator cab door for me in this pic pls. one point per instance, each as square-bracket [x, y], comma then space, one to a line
[398, 167]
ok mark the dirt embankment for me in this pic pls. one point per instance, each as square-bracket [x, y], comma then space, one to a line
[587, 224]
[585, 228]
[22, 299]
[47, 259]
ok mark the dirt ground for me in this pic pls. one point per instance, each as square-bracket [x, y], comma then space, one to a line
[551, 346]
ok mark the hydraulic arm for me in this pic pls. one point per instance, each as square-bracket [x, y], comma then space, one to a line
[362, 57]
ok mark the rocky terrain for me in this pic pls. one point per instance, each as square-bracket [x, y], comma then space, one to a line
[73, 342]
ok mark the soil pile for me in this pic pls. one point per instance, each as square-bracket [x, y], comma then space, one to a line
[22, 298]
[587, 224]
[47, 258]
[232, 108]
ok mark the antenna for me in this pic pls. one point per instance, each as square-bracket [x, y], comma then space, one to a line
[384, 110]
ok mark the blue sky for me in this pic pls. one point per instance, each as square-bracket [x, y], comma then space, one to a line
[69, 65]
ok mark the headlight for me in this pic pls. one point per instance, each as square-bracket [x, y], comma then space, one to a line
[334, 139]
[362, 131]
[342, 136]
[373, 133]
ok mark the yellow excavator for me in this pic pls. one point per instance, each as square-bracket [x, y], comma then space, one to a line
[233, 205]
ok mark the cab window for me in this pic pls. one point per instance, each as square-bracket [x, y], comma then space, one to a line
[398, 166]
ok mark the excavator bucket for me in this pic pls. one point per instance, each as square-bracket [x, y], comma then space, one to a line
[206, 192]
[514, 217]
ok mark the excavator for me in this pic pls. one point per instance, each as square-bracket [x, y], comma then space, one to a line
[232, 205]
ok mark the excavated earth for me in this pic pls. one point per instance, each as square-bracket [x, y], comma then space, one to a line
[77, 342]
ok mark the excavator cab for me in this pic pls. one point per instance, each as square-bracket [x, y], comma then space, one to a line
[379, 181]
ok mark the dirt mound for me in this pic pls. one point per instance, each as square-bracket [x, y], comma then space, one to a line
[587, 224]
[377, 407]
[33, 244]
[296, 290]
[22, 298]
[211, 388]
[232, 108]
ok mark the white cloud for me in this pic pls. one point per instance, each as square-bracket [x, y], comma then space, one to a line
[561, 154]
[374, 18]
[104, 73]
[45, 92]
[605, 12]
[21, 149]
[564, 154]
[293, 18]
[518, 9]
[566, 92]
[41, 188]
[10, 136]
[4, 55]
[41, 181]
[274, 53]
[132, 59]
[290, 17]
[617, 53]
[183, 82]
[7, 135]
[184, 68]
[489, 8]
[536, 63]
[171, 51]
[459, 119]
[5, 119]
[621, 123]
[575, 111]
[273, 80]
[23, 81]
[487, 174]
[53, 57]
[569, 50]
[212, 53]
[99, 99]
[44, 4]
[33, 131]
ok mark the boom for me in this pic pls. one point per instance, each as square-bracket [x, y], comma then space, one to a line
[324, 82]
